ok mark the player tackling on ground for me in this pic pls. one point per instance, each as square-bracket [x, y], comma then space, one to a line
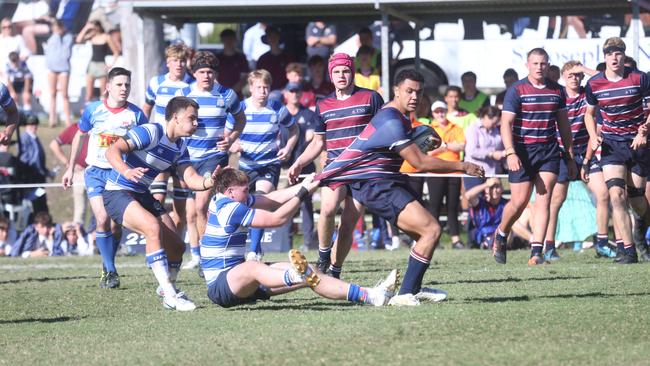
[233, 281]
[370, 168]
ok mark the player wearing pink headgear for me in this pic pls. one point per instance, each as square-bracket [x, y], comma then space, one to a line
[342, 116]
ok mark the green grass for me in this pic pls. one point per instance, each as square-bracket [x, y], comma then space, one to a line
[580, 311]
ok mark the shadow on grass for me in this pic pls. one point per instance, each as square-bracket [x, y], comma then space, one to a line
[592, 294]
[510, 279]
[58, 319]
[497, 299]
[46, 279]
[290, 304]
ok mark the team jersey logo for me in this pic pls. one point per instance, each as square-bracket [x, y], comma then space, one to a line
[220, 103]
[274, 119]
[106, 139]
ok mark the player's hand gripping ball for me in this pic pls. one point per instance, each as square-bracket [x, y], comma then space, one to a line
[426, 138]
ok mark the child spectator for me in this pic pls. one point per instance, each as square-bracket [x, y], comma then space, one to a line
[19, 80]
[7, 236]
[74, 240]
[41, 239]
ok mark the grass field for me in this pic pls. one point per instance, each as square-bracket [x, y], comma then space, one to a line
[580, 311]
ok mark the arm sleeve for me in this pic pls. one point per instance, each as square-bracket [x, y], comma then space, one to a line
[150, 95]
[145, 136]
[284, 117]
[233, 103]
[589, 96]
[319, 123]
[376, 102]
[241, 215]
[85, 122]
[512, 102]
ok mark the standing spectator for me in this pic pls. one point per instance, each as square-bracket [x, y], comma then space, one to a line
[366, 75]
[102, 44]
[510, 76]
[58, 50]
[7, 236]
[32, 155]
[11, 43]
[276, 60]
[307, 121]
[253, 46]
[233, 66]
[79, 184]
[483, 145]
[455, 113]
[321, 39]
[41, 239]
[447, 187]
[19, 80]
[473, 99]
[318, 82]
[294, 76]
[366, 39]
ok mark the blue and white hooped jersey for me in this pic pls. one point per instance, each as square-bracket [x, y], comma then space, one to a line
[105, 125]
[259, 140]
[223, 245]
[153, 150]
[5, 97]
[160, 91]
[214, 107]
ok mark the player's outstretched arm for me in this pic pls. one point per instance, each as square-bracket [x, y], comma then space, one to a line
[427, 163]
[77, 143]
[194, 180]
[285, 212]
[312, 151]
[271, 201]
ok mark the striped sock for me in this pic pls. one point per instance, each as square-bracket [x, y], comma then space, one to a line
[549, 245]
[325, 254]
[601, 240]
[415, 270]
[335, 271]
[157, 261]
[619, 246]
[357, 294]
[536, 248]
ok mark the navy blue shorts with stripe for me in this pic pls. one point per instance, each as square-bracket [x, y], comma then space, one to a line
[384, 197]
[116, 203]
[621, 153]
[270, 173]
[219, 292]
[535, 158]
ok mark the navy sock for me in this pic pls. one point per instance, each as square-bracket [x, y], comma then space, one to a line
[412, 282]
[325, 254]
[629, 249]
[105, 245]
[256, 240]
[601, 240]
[535, 249]
[335, 271]
[549, 245]
[620, 247]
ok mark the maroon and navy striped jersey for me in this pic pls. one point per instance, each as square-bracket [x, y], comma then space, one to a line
[374, 154]
[620, 103]
[535, 110]
[343, 120]
[575, 109]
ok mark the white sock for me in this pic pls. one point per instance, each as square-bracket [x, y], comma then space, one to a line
[162, 275]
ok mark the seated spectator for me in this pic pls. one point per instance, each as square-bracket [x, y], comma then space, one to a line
[486, 204]
[233, 66]
[58, 50]
[75, 241]
[8, 236]
[64, 11]
[19, 81]
[456, 114]
[366, 76]
[509, 78]
[318, 82]
[321, 39]
[472, 99]
[11, 43]
[483, 145]
[446, 187]
[41, 239]
[32, 155]
[275, 61]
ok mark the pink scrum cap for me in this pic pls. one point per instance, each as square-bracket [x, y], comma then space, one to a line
[340, 59]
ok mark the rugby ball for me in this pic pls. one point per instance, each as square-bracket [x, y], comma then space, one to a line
[425, 138]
